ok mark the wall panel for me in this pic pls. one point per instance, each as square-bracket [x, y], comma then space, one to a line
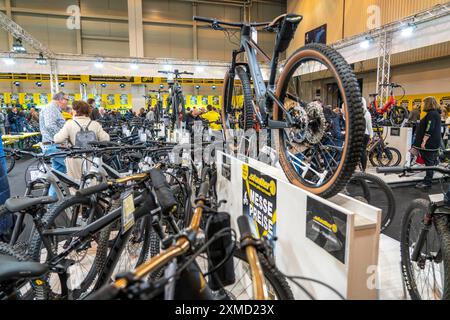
[356, 12]
[51, 31]
[319, 12]
[165, 9]
[105, 7]
[168, 42]
[108, 47]
[104, 28]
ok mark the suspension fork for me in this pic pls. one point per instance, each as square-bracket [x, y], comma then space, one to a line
[427, 223]
[230, 87]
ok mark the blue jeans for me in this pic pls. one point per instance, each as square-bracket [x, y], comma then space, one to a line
[57, 164]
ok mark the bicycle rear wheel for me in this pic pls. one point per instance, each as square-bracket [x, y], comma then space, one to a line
[314, 156]
[10, 161]
[428, 278]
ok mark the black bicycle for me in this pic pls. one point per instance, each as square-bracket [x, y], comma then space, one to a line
[175, 101]
[425, 242]
[290, 108]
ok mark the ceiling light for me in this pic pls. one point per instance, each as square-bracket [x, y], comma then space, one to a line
[197, 87]
[41, 60]
[62, 84]
[98, 65]
[39, 84]
[18, 46]
[199, 68]
[122, 85]
[365, 44]
[167, 67]
[214, 87]
[161, 86]
[103, 85]
[9, 61]
[16, 83]
[408, 30]
[134, 66]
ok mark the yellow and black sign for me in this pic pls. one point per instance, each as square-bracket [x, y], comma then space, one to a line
[259, 201]
[326, 227]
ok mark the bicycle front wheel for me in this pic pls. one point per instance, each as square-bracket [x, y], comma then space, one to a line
[320, 152]
[427, 277]
[398, 115]
[277, 285]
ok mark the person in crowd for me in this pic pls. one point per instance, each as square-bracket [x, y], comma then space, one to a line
[67, 134]
[212, 117]
[103, 115]
[368, 134]
[2, 123]
[6, 219]
[428, 139]
[51, 122]
[21, 121]
[94, 111]
[13, 119]
[189, 119]
[7, 124]
[142, 113]
[34, 119]
[151, 115]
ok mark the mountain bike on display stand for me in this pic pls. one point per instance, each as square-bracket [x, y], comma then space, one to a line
[175, 102]
[310, 155]
[395, 113]
[425, 240]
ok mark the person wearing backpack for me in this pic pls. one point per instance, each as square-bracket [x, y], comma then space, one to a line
[79, 132]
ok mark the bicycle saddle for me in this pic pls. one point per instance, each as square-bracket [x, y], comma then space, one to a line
[11, 268]
[22, 203]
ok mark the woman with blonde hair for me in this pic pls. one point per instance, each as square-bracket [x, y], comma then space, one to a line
[428, 138]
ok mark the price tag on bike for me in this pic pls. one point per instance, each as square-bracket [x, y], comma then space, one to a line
[127, 210]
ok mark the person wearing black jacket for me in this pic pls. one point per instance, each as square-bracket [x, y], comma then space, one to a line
[428, 139]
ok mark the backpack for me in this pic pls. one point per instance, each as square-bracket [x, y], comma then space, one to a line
[84, 136]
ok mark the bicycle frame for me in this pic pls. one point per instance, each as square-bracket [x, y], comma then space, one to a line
[265, 94]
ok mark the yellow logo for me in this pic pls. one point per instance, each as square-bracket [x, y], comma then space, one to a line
[245, 171]
[272, 188]
[333, 227]
[39, 282]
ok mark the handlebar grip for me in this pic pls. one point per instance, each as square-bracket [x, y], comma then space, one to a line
[165, 196]
[93, 190]
[244, 227]
[202, 19]
[203, 190]
[107, 292]
[392, 170]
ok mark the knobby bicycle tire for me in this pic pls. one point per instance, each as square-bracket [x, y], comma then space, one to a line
[421, 207]
[8, 250]
[248, 116]
[387, 216]
[272, 274]
[355, 123]
[44, 292]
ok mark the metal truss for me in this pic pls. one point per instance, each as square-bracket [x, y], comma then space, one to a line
[18, 32]
[384, 66]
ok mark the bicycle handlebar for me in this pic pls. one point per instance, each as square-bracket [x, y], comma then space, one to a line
[108, 292]
[93, 190]
[216, 23]
[393, 170]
